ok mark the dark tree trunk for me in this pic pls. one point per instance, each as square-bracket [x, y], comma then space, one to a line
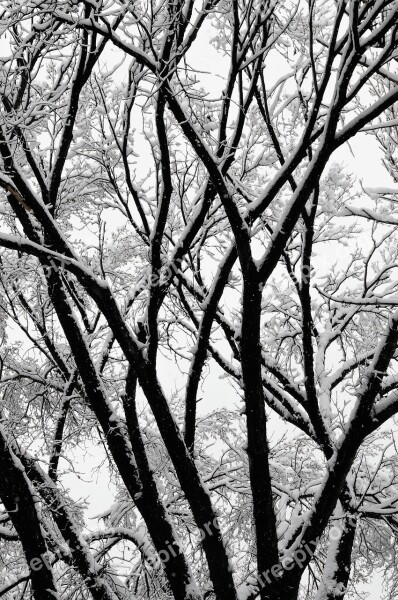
[19, 502]
[337, 572]
[159, 526]
[83, 560]
[257, 443]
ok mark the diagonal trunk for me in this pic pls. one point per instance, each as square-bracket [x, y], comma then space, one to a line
[88, 568]
[159, 526]
[18, 498]
[336, 572]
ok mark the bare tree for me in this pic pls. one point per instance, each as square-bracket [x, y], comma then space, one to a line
[147, 219]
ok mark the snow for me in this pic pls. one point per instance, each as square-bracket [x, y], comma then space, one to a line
[6, 180]
[291, 489]
[18, 242]
[210, 126]
[376, 191]
[6, 533]
[382, 124]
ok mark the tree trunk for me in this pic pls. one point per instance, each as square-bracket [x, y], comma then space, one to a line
[17, 496]
[90, 571]
[257, 443]
[336, 573]
[160, 528]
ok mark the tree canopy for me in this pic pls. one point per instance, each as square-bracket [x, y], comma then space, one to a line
[177, 222]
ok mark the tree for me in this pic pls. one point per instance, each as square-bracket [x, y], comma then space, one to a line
[148, 218]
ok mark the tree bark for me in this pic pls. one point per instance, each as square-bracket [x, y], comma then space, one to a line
[257, 443]
[160, 528]
[83, 559]
[336, 573]
[18, 498]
